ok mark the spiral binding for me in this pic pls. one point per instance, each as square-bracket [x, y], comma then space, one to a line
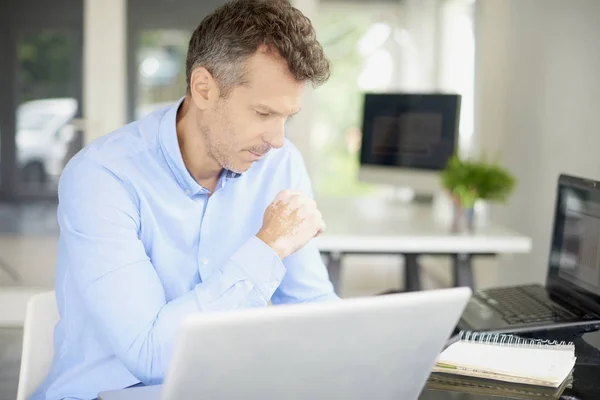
[508, 340]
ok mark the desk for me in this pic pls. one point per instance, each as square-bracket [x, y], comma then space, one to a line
[586, 384]
[374, 226]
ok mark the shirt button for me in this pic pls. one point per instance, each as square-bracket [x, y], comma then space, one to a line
[204, 261]
[187, 192]
[274, 284]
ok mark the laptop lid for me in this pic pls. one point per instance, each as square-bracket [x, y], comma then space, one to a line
[574, 262]
[381, 347]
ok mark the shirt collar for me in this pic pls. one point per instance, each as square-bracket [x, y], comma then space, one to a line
[169, 144]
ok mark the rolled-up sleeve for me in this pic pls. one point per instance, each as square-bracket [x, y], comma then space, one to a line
[100, 223]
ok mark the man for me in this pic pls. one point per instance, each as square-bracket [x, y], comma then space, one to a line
[199, 207]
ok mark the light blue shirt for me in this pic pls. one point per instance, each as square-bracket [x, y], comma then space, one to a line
[142, 246]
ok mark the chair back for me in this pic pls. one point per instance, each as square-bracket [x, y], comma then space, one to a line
[38, 342]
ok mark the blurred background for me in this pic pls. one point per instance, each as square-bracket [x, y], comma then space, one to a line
[526, 70]
[72, 71]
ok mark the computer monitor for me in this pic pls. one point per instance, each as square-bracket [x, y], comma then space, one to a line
[408, 138]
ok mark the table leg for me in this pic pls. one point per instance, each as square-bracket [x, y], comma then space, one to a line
[334, 266]
[463, 270]
[412, 280]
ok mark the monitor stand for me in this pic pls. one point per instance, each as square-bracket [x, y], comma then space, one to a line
[422, 198]
[407, 196]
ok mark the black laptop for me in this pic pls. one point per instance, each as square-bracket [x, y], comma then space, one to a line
[571, 296]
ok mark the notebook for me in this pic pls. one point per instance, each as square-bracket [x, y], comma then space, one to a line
[508, 358]
[495, 388]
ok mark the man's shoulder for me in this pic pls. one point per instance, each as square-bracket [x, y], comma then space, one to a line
[281, 167]
[116, 153]
[123, 145]
[287, 156]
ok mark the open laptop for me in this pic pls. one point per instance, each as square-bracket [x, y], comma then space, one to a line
[380, 347]
[571, 296]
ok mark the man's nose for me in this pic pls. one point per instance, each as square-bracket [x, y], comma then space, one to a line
[276, 138]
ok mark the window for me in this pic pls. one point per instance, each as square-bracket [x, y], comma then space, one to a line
[161, 58]
[457, 62]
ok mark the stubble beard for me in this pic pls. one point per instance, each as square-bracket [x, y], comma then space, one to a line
[215, 147]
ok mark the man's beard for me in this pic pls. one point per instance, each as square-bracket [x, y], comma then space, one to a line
[215, 144]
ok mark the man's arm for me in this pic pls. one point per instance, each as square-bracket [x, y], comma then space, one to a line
[306, 278]
[99, 220]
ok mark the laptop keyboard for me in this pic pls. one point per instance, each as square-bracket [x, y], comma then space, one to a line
[523, 304]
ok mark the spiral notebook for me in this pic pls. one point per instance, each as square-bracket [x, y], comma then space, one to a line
[508, 358]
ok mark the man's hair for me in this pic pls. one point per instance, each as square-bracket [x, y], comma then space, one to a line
[227, 37]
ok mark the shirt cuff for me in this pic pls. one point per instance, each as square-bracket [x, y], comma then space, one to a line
[260, 263]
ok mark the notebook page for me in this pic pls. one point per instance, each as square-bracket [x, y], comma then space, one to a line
[541, 364]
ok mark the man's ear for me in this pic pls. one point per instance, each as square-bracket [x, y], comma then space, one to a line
[203, 88]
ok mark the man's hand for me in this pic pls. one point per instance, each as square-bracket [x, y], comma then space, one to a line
[290, 221]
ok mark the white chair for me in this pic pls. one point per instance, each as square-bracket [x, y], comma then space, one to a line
[38, 346]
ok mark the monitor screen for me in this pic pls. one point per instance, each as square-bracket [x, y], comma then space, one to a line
[409, 130]
[575, 250]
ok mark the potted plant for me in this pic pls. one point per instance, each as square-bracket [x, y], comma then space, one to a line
[470, 180]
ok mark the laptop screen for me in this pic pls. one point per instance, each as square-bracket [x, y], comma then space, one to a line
[575, 249]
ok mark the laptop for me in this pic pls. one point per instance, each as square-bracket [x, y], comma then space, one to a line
[571, 295]
[381, 347]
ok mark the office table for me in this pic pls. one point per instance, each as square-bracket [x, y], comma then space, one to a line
[378, 226]
[586, 382]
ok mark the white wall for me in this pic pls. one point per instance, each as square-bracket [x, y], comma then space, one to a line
[538, 103]
[299, 128]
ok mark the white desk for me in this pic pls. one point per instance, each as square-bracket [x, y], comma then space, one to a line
[374, 226]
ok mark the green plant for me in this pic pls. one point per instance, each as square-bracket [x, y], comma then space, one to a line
[470, 180]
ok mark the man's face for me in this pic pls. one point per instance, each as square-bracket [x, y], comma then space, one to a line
[243, 127]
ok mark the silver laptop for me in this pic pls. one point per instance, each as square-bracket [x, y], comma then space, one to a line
[364, 348]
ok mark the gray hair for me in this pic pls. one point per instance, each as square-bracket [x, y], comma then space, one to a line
[227, 37]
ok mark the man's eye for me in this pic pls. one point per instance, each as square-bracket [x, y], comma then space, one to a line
[262, 114]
